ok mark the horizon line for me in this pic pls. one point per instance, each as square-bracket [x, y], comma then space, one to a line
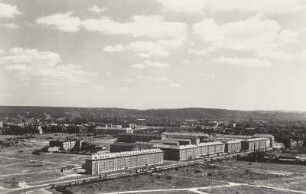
[247, 110]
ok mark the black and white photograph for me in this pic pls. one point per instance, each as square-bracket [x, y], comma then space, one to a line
[152, 96]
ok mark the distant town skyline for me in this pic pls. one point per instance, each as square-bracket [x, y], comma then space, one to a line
[227, 54]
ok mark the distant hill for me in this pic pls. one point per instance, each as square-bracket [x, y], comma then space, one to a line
[184, 113]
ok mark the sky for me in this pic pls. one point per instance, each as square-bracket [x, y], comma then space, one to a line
[233, 54]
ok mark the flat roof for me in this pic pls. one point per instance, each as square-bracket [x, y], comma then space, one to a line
[112, 128]
[255, 139]
[186, 134]
[188, 146]
[232, 141]
[141, 134]
[262, 135]
[132, 144]
[124, 154]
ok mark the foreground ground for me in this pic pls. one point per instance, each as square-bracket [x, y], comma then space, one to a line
[222, 177]
[18, 164]
[39, 171]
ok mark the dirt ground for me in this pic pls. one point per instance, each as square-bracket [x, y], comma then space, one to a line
[244, 189]
[188, 177]
[18, 162]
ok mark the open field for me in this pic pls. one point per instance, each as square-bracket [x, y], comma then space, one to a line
[244, 189]
[167, 192]
[18, 162]
[219, 173]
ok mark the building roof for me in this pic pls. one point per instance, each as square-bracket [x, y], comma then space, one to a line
[255, 139]
[124, 154]
[137, 143]
[141, 134]
[232, 141]
[112, 128]
[188, 146]
[234, 136]
[263, 135]
[186, 134]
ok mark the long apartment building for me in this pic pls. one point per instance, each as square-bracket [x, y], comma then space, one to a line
[195, 138]
[144, 137]
[188, 152]
[112, 130]
[100, 163]
[255, 144]
[123, 146]
[172, 141]
[232, 146]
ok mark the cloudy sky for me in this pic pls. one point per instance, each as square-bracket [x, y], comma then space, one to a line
[233, 54]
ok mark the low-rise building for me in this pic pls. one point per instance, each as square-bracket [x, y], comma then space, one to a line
[232, 137]
[188, 152]
[195, 138]
[112, 130]
[123, 146]
[100, 163]
[172, 141]
[270, 142]
[254, 144]
[232, 146]
[143, 137]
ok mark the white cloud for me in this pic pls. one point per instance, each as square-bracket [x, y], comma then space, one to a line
[202, 52]
[114, 48]
[97, 9]
[186, 61]
[156, 64]
[148, 49]
[45, 66]
[275, 54]
[121, 89]
[263, 6]
[98, 86]
[251, 34]
[9, 25]
[174, 85]
[254, 6]
[206, 77]
[152, 26]
[20, 56]
[147, 63]
[190, 6]
[154, 79]
[245, 62]
[302, 55]
[138, 66]
[108, 73]
[61, 21]
[18, 67]
[8, 11]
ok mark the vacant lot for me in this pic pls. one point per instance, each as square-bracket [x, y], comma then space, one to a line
[17, 162]
[244, 189]
[188, 177]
